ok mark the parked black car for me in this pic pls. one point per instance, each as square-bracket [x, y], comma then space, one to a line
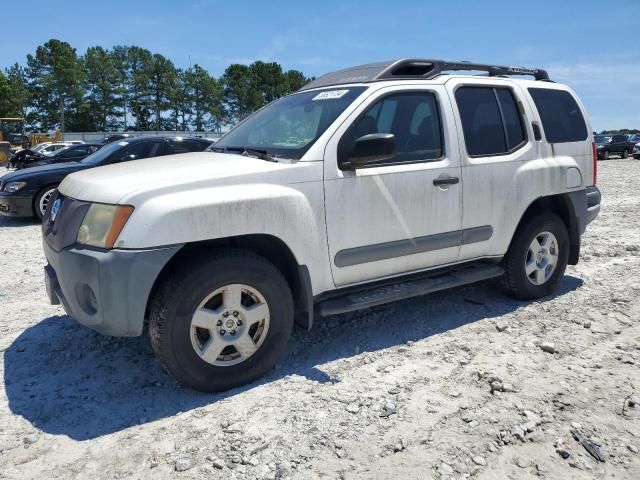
[72, 153]
[27, 192]
[612, 144]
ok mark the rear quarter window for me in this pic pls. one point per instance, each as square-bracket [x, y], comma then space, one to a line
[561, 117]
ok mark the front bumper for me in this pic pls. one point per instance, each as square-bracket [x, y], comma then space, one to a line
[105, 290]
[16, 205]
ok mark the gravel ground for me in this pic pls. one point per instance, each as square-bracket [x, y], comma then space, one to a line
[464, 383]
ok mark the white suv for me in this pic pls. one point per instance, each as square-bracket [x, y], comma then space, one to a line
[369, 185]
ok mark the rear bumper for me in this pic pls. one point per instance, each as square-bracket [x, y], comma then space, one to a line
[15, 205]
[105, 290]
[593, 204]
[584, 206]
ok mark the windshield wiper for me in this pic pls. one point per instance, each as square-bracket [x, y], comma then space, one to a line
[261, 154]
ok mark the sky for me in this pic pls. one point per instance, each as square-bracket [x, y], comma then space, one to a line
[593, 46]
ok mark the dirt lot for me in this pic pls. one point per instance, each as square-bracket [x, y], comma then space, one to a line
[452, 385]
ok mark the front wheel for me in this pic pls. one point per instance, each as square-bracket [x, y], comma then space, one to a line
[605, 155]
[537, 257]
[221, 322]
[43, 199]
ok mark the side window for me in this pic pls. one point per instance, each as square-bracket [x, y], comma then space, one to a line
[513, 126]
[186, 146]
[78, 152]
[561, 117]
[82, 149]
[141, 150]
[491, 121]
[412, 117]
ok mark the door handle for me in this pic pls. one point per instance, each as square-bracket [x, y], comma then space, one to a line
[445, 181]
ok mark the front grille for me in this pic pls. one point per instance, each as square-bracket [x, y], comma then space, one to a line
[63, 232]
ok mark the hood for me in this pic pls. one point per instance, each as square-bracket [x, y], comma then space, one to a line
[132, 182]
[43, 170]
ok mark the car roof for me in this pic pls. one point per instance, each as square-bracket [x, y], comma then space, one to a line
[142, 138]
[415, 69]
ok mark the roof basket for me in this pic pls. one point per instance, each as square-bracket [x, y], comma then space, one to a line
[411, 69]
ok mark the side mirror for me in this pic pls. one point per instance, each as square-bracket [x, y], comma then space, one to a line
[370, 148]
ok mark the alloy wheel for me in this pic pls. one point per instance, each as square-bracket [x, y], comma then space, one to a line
[542, 258]
[45, 199]
[230, 325]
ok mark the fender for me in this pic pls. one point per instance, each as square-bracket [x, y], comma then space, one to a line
[292, 213]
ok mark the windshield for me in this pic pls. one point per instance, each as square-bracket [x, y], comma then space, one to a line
[602, 139]
[11, 126]
[288, 127]
[104, 153]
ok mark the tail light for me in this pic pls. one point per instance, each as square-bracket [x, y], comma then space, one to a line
[595, 162]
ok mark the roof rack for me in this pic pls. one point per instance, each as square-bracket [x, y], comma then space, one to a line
[411, 69]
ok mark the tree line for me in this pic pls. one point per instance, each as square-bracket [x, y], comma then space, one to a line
[131, 88]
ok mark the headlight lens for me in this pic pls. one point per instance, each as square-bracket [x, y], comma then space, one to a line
[102, 224]
[12, 187]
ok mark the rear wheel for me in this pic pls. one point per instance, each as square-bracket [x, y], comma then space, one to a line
[43, 199]
[625, 153]
[537, 257]
[223, 322]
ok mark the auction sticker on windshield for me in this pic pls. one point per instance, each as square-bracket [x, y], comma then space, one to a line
[330, 95]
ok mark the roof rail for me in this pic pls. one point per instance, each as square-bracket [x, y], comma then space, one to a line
[411, 69]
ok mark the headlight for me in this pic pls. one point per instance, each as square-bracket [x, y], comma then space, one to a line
[599, 146]
[102, 224]
[12, 187]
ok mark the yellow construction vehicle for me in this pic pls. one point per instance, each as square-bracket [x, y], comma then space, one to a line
[12, 131]
[36, 138]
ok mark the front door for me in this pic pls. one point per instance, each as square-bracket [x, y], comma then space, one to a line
[402, 214]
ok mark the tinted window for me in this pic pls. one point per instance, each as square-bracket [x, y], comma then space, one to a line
[76, 152]
[187, 146]
[619, 138]
[484, 132]
[141, 150]
[79, 150]
[414, 120]
[514, 129]
[561, 117]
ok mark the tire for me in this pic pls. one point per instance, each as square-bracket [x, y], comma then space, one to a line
[519, 258]
[625, 153]
[605, 155]
[182, 347]
[637, 157]
[42, 200]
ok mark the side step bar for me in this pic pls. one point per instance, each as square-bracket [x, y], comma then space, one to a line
[412, 288]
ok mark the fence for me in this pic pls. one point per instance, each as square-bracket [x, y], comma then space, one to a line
[98, 137]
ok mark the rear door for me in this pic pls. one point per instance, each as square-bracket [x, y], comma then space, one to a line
[496, 142]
